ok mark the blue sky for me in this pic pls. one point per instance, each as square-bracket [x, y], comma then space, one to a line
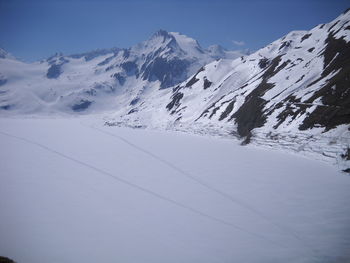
[35, 29]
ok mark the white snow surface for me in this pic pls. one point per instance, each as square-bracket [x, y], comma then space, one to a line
[73, 190]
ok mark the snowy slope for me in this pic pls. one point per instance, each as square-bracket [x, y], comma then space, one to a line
[72, 190]
[292, 94]
[102, 79]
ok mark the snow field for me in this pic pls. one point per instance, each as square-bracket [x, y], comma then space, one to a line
[72, 190]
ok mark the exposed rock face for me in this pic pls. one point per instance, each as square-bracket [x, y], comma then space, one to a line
[299, 82]
[6, 260]
[294, 93]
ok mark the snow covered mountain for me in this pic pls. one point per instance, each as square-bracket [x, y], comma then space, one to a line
[101, 79]
[293, 93]
[299, 81]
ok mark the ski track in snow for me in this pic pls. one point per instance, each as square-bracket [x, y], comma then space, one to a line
[141, 188]
[211, 188]
[305, 247]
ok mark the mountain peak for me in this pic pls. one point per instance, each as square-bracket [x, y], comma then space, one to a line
[162, 36]
[188, 44]
[5, 54]
[216, 49]
[161, 33]
[346, 11]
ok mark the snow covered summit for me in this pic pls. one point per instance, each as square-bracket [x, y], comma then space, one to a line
[100, 79]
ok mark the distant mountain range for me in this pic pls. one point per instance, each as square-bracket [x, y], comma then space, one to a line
[95, 80]
[293, 94]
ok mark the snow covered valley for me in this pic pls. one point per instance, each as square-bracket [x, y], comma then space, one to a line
[74, 190]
